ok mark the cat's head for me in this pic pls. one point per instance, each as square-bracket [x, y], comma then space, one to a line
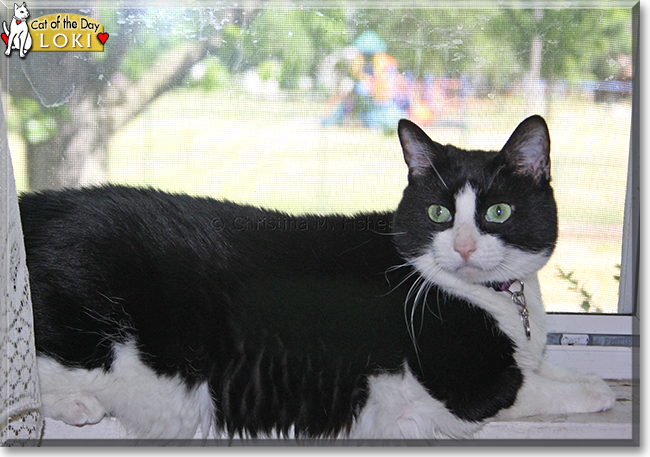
[479, 216]
[20, 11]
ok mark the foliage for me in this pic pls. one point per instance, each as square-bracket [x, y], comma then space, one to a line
[212, 75]
[296, 38]
[270, 69]
[152, 33]
[436, 41]
[35, 123]
[287, 44]
[491, 44]
[578, 43]
[587, 297]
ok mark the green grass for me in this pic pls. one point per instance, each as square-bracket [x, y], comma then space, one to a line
[269, 155]
[276, 154]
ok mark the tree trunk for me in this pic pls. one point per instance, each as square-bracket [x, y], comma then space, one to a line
[77, 154]
[535, 97]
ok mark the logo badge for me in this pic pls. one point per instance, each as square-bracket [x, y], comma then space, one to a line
[53, 32]
[17, 35]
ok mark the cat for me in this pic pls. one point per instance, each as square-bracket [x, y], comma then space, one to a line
[176, 313]
[18, 37]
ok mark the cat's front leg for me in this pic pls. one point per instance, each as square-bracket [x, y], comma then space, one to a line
[546, 395]
[550, 371]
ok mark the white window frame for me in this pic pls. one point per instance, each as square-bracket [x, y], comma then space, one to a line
[616, 362]
[608, 362]
[611, 361]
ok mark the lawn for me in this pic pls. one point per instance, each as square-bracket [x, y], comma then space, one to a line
[276, 154]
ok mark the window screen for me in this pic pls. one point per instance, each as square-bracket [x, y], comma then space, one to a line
[294, 107]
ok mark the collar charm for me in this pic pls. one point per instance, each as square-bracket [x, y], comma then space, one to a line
[520, 300]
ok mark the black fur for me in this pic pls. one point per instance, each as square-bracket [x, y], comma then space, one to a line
[440, 172]
[284, 316]
[285, 324]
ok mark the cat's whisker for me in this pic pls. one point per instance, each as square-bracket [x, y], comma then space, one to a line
[426, 297]
[406, 278]
[397, 267]
[437, 172]
[439, 315]
[353, 248]
[389, 233]
[427, 287]
[409, 322]
[410, 325]
[413, 309]
[504, 267]
[423, 286]
[494, 175]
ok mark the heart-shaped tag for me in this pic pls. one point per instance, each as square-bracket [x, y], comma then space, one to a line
[5, 38]
[18, 22]
[102, 37]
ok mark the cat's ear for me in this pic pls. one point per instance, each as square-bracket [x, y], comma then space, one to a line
[529, 148]
[418, 148]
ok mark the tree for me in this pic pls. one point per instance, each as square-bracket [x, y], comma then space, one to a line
[294, 38]
[68, 119]
[574, 45]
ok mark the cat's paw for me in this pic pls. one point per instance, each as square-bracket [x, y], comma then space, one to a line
[79, 408]
[598, 395]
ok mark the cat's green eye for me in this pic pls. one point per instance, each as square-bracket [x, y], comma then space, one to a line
[498, 213]
[439, 214]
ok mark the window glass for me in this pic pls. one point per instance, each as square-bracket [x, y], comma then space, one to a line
[295, 107]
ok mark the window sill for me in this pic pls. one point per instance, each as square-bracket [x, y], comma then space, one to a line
[616, 424]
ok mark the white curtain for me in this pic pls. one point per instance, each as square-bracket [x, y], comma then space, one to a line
[20, 418]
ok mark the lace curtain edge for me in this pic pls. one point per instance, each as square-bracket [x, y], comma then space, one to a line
[21, 421]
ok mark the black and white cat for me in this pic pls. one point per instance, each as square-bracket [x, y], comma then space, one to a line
[175, 313]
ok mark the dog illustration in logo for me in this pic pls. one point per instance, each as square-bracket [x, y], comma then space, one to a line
[19, 37]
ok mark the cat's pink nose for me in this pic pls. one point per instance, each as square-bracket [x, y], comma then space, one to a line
[465, 249]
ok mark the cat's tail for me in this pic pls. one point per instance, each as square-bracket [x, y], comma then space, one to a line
[4, 26]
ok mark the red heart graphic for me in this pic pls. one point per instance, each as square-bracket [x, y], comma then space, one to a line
[18, 22]
[5, 38]
[102, 37]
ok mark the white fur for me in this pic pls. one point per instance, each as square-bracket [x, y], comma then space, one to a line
[398, 407]
[546, 389]
[492, 260]
[149, 406]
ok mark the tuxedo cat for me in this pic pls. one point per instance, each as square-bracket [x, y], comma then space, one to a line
[175, 313]
[18, 37]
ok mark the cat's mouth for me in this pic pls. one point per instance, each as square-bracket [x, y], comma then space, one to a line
[471, 273]
[468, 270]
[477, 274]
